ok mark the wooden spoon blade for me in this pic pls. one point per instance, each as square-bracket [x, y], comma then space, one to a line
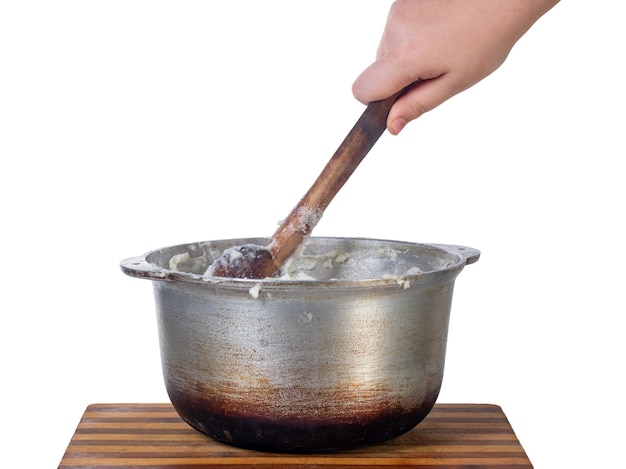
[246, 261]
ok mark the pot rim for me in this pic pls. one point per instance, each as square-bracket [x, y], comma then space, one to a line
[143, 268]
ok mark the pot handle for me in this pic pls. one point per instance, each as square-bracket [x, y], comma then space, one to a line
[470, 255]
[139, 267]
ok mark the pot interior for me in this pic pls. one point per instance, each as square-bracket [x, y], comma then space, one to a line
[322, 259]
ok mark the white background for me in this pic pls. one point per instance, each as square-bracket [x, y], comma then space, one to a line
[131, 125]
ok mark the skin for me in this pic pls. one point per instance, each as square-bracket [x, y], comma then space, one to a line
[450, 44]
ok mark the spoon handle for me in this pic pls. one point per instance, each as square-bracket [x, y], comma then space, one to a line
[303, 218]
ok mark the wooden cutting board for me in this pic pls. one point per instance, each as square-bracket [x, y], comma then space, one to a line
[152, 435]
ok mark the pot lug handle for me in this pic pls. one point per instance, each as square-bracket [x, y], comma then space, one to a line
[470, 255]
[139, 267]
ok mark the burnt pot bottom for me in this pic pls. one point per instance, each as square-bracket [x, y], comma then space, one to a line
[295, 435]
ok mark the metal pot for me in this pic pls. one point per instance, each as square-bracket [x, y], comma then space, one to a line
[347, 351]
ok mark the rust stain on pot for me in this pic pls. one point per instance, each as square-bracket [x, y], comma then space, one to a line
[325, 426]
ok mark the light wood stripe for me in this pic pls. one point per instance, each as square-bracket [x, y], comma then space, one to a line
[129, 415]
[171, 413]
[126, 449]
[126, 436]
[449, 427]
[174, 426]
[197, 437]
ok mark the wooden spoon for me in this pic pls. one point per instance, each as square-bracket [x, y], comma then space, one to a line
[256, 262]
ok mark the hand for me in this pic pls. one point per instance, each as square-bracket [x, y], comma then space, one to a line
[450, 44]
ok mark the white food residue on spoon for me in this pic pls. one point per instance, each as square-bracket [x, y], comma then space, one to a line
[303, 220]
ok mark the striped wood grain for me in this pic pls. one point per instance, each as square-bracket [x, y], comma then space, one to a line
[125, 436]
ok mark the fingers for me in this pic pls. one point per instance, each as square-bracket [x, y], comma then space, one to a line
[423, 97]
[388, 75]
[379, 81]
[376, 83]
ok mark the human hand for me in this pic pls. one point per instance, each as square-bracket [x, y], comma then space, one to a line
[449, 44]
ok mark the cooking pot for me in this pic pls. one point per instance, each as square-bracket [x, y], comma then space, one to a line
[345, 350]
